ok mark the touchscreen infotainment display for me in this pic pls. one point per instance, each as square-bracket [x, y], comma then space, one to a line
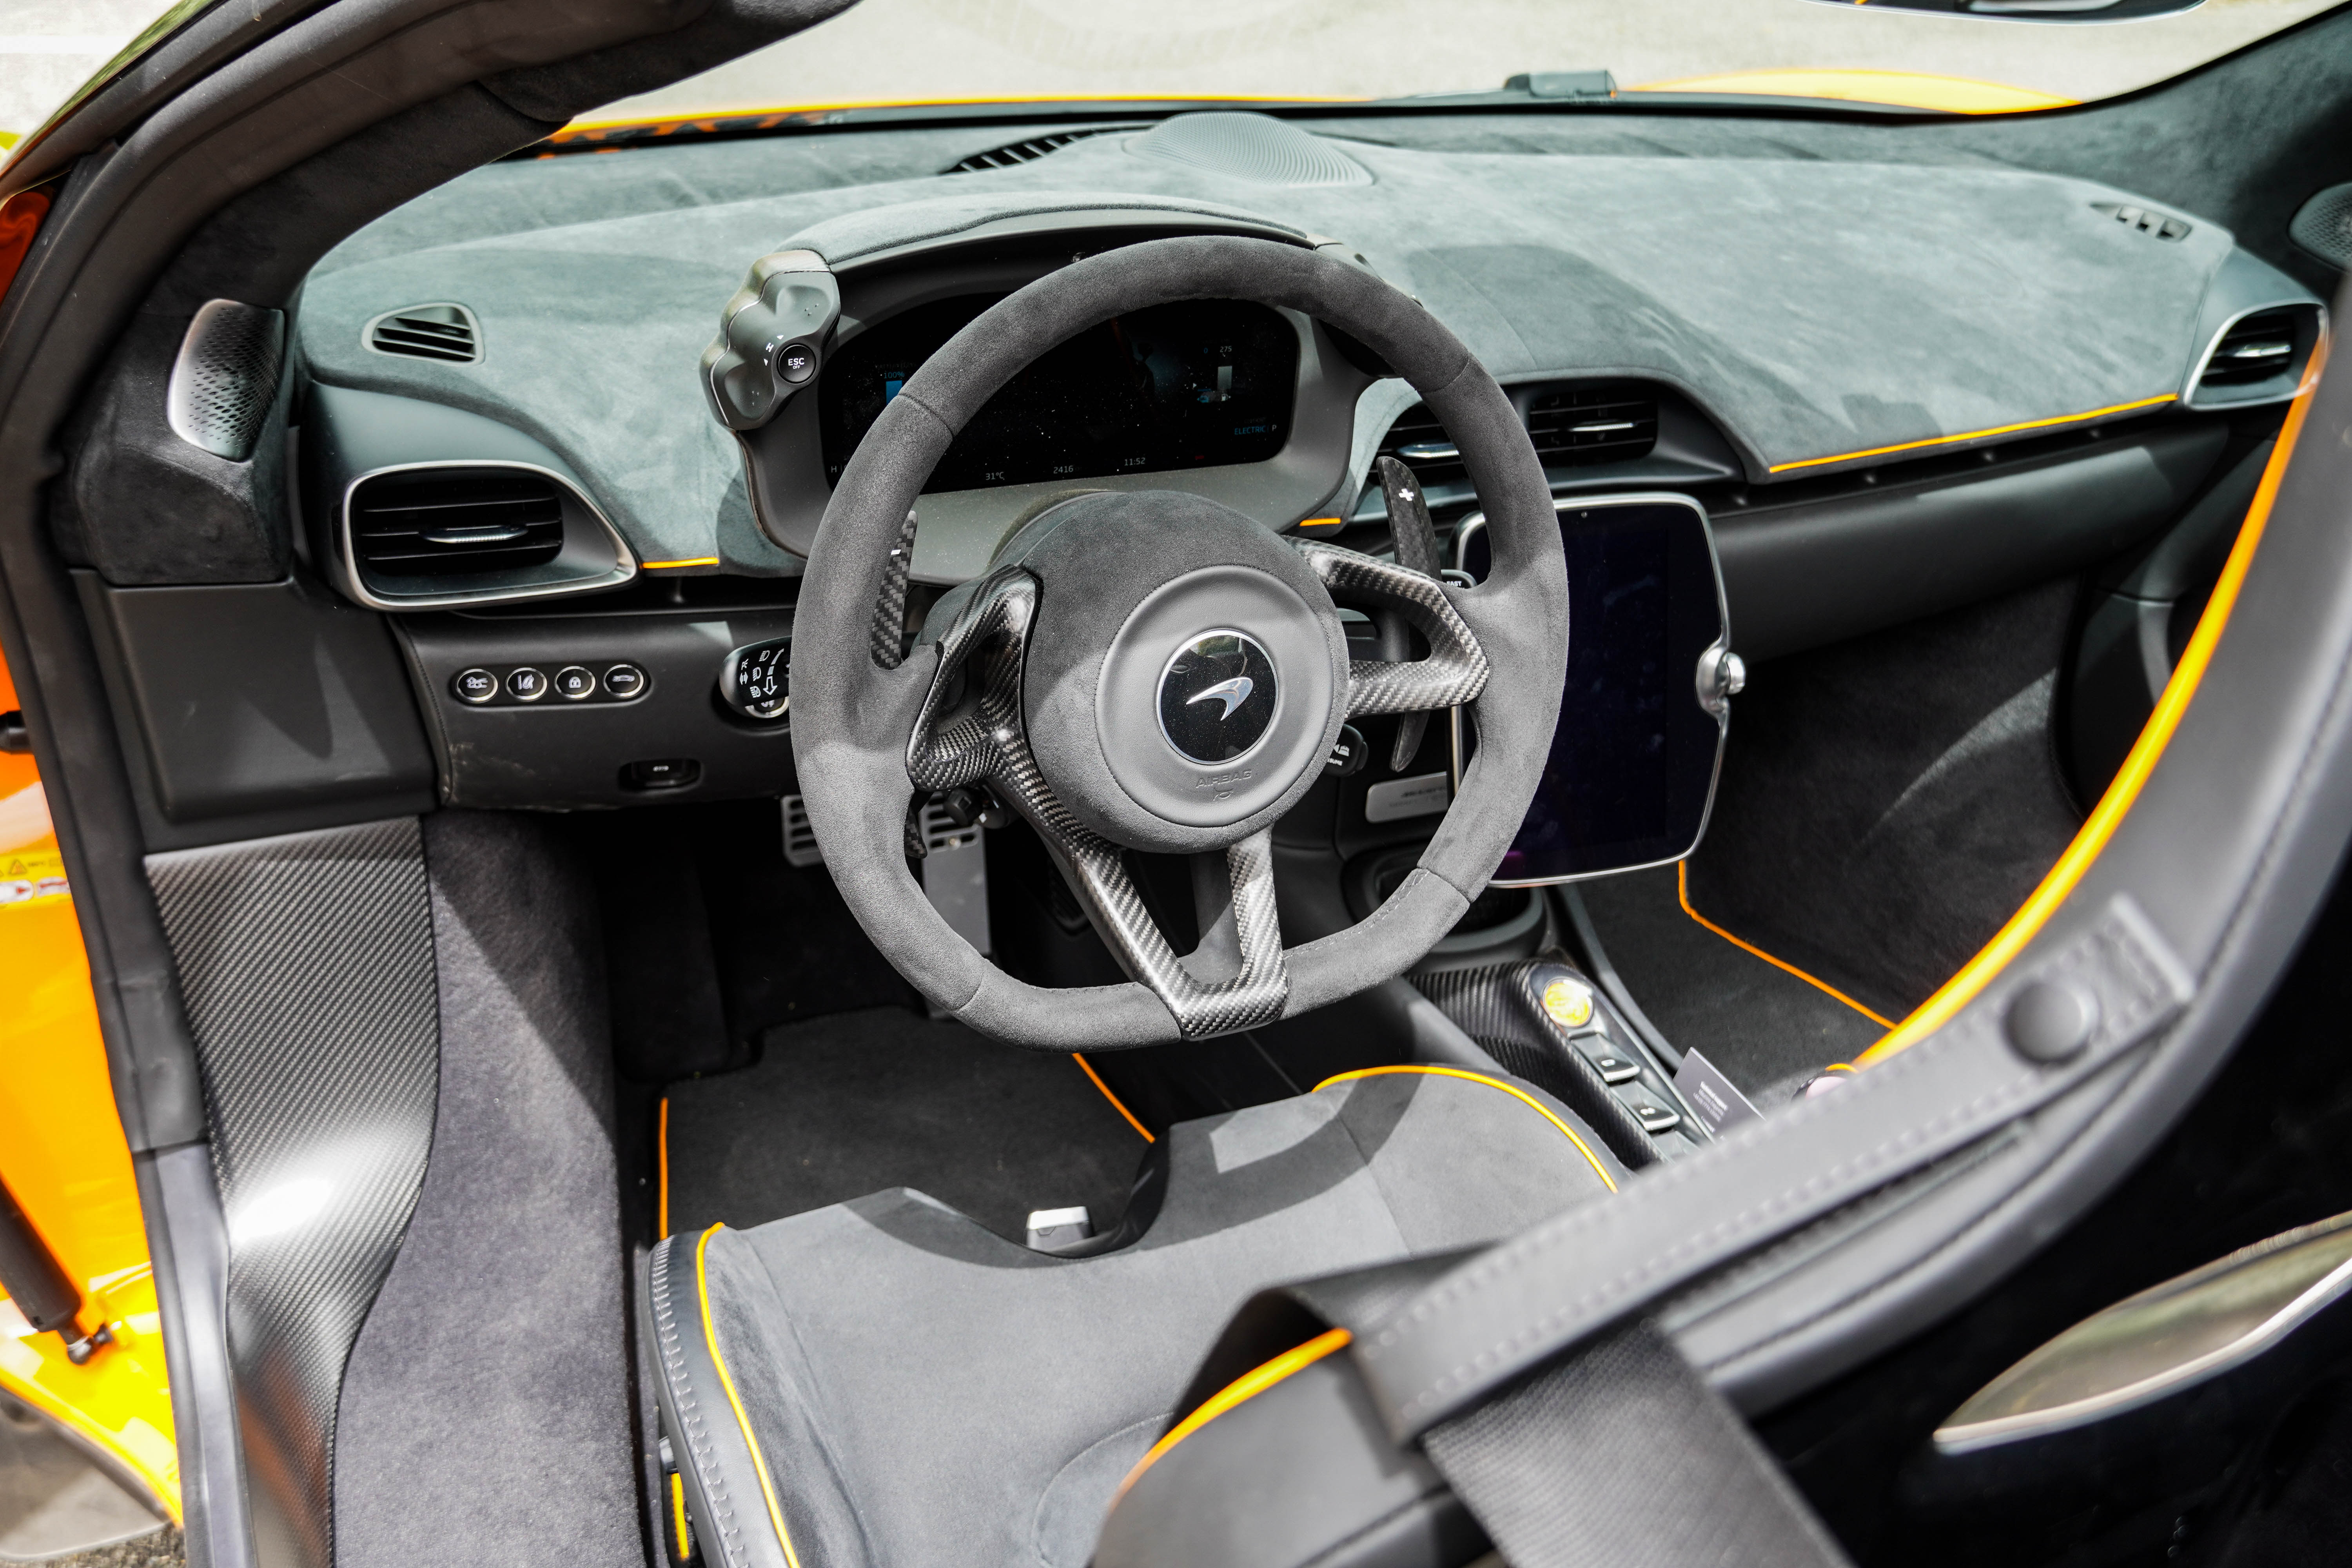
[1633, 763]
[1187, 386]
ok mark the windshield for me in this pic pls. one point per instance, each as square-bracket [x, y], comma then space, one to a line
[933, 51]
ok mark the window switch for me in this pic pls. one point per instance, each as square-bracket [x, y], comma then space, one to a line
[1654, 1119]
[1613, 1068]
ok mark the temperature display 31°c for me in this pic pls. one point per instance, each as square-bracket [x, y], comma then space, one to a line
[1186, 385]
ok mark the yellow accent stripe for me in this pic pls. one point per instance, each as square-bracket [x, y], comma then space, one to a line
[759, 1463]
[1900, 89]
[1116, 1103]
[1681, 887]
[663, 565]
[2108, 815]
[661, 1150]
[1977, 435]
[1322, 523]
[1515, 1092]
[1247, 1386]
[678, 1511]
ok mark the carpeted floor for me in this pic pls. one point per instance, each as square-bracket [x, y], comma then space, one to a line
[846, 1105]
[1765, 1028]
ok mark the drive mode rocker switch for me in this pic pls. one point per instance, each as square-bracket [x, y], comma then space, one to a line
[528, 683]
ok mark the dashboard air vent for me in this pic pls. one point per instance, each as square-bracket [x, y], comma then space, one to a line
[1028, 151]
[436, 522]
[1586, 424]
[1420, 442]
[446, 333]
[2256, 349]
[2164, 226]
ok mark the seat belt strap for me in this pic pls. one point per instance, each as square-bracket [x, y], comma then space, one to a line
[1620, 1456]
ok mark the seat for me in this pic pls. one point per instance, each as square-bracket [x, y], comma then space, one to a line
[885, 1383]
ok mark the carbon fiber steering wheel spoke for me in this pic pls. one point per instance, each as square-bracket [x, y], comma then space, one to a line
[969, 730]
[1204, 1004]
[1456, 670]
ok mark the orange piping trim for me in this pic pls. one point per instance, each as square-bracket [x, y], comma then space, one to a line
[2108, 815]
[1322, 523]
[698, 560]
[1977, 435]
[1516, 1093]
[1115, 1104]
[1682, 888]
[1247, 1386]
[677, 1510]
[661, 1149]
[759, 1462]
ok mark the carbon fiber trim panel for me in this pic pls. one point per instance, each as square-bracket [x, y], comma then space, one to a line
[307, 964]
[888, 643]
[1456, 670]
[971, 731]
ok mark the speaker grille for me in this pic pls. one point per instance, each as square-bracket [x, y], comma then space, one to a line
[2323, 225]
[225, 377]
[1253, 147]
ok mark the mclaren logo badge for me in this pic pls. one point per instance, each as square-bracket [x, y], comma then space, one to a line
[1217, 697]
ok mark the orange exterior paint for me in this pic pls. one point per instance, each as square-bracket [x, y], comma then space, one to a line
[63, 1153]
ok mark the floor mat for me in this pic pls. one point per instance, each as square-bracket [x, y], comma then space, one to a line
[846, 1105]
[1764, 1027]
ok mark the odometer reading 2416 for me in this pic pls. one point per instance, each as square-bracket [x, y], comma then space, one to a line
[1187, 386]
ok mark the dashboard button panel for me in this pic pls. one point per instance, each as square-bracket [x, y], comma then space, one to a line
[524, 685]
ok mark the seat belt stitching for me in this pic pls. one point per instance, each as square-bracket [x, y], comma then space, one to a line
[1572, 1225]
[2156, 987]
[2124, 941]
[1664, 1261]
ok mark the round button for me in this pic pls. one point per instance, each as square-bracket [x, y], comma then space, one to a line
[474, 686]
[576, 684]
[526, 685]
[795, 363]
[625, 680]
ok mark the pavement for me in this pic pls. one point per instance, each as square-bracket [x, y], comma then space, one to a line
[898, 49]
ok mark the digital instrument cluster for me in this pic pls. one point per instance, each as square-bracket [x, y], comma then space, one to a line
[1185, 385]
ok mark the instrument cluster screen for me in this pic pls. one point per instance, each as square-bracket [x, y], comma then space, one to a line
[1193, 384]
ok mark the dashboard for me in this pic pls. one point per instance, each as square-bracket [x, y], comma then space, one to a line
[1874, 430]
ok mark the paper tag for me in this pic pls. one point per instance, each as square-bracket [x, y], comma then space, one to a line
[1712, 1098]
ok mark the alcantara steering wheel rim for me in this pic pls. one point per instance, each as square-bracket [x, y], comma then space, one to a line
[855, 715]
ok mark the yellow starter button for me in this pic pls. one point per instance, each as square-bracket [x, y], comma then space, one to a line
[1568, 1002]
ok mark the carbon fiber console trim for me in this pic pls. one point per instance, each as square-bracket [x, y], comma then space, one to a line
[307, 964]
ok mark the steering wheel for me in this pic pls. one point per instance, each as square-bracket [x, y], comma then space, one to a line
[1152, 671]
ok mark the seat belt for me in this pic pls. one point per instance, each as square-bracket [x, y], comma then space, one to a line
[1620, 1456]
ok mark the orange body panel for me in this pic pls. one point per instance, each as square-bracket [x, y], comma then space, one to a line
[63, 1153]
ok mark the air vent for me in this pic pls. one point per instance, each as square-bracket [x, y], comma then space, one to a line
[2163, 225]
[2257, 349]
[1588, 425]
[442, 522]
[444, 333]
[1573, 427]
[1420, 442]
[1028, 151]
